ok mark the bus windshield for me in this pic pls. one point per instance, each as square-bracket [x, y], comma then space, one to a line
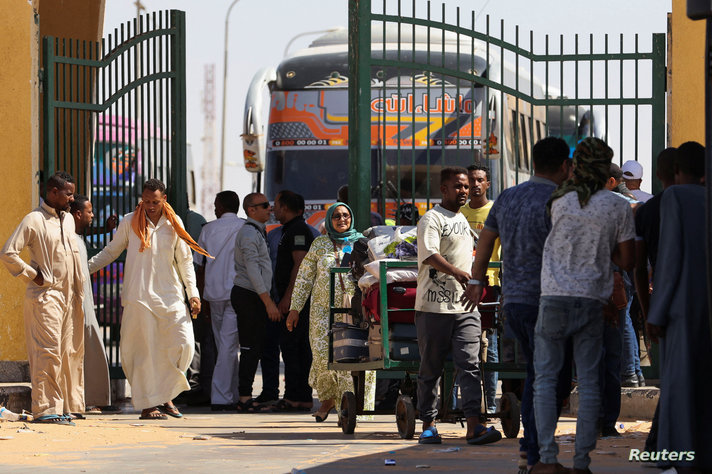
[318, 174]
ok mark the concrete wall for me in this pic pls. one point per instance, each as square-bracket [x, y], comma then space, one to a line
[22, 24]
[686, 75]
[19, 134]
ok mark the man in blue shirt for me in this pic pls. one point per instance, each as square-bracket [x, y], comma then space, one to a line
[519, 218]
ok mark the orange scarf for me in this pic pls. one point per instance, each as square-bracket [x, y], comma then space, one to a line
[139, 225]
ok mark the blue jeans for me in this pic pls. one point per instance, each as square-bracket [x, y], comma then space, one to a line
[610, 371]
[490, 377]
[561, 318]
[631, 361]
[520, 320]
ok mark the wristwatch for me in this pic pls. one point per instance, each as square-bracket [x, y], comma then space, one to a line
[476, 282]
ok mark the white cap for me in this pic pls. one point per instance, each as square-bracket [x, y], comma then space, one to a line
[632, 170]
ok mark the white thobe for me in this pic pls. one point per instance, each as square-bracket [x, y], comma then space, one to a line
[156, 332]
[97, 382]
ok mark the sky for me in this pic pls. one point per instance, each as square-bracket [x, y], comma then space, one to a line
[259, 30]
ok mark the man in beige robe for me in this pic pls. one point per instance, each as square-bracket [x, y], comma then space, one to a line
[156, 332]
[53, 302]
[97, 383]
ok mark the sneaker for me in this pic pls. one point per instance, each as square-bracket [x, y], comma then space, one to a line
[630, 381]
[641, 381]
[610, 432]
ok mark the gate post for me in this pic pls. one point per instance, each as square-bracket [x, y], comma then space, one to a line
[48, 99]
[178, 188]
[658, 132]
[360, 112]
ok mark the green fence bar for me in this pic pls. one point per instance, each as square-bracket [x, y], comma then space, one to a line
[113, 116]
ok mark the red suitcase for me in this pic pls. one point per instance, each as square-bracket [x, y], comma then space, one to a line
[401, 295]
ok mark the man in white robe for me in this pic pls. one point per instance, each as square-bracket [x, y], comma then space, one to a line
[156, 333]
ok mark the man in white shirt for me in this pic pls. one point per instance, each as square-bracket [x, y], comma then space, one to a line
[591, 228]
[442, 322]
[215, 279]
[633, 176]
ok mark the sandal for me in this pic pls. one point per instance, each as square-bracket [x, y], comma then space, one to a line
[152, 414]
[252, 406]
[284, 405]
[485, 436]
[430, 435]
[53, 420]
[74, 416]
[171, 410]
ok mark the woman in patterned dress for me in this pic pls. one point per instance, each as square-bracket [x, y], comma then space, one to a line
[326, 252]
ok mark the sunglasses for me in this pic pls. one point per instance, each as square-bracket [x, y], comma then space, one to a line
[336, 217]
[263, 205]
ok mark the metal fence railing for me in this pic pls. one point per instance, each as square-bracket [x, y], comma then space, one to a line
[113, 116]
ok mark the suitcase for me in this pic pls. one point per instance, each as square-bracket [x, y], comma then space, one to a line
[402, 343]
[349, 343]
[404, 350]
[401, 295]
[402, 332]
[488, 307]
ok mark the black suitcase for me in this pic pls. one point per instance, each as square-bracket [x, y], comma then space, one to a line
[349, 343]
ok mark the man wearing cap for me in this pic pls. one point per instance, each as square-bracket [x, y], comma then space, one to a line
[633, 176]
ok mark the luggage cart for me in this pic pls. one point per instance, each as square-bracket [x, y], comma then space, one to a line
[352, 403]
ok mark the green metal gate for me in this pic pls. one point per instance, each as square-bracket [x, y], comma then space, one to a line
[428, 90]
[114, 115]
[406, 66]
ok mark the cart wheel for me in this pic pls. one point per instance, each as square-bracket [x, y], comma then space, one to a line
[347, 414]
[509, 409]
[405, 417]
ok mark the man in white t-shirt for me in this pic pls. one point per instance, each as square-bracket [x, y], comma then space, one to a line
[591, 229]
[445, 244]
[215, 278]
[633, 176]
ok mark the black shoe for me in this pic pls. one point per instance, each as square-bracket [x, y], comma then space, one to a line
[223, 407]
[630, 381]
[610, 432]
[641, 381]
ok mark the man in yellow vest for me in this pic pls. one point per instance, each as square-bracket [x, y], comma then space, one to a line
[476, 211]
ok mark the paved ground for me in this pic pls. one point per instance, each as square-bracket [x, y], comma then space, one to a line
[270, 443]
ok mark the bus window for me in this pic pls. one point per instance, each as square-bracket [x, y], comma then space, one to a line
[524, 140]
[515, 135]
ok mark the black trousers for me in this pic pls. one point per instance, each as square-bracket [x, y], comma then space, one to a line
[251, 326]
[296, 352]
[270, 360]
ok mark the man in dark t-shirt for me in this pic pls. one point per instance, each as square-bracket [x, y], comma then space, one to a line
[294, 244]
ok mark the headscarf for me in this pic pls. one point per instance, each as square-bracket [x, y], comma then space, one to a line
[351, 235]
[592, 168]
[139, 224]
